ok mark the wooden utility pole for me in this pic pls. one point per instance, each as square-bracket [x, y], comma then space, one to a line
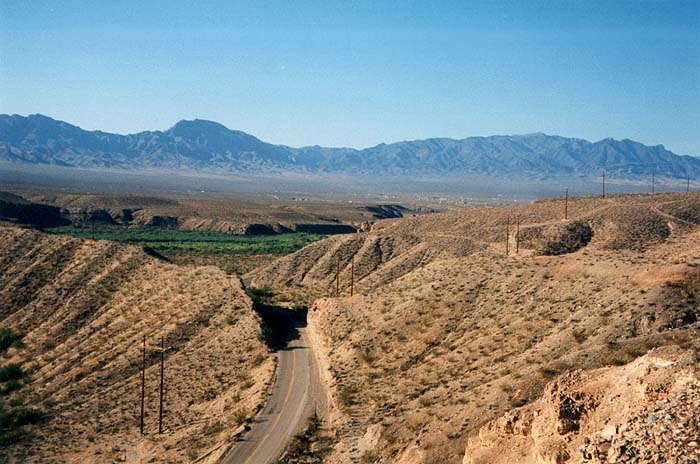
[352, 275]
[143, 380]
[603, 184]
[517, 236]
[653, 175]
[162, 368]
[507, 234]
[566, 204]
[337, 278]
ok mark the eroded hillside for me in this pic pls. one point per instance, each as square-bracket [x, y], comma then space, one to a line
[445, 332]
[645, 411]
[83, 307]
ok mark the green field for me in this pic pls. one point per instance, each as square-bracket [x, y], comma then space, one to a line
[210, 242]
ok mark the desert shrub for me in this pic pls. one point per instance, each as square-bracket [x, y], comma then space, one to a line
[304, 446]
[10, 386]
[240, 416]
[261, 295]
[369, 456]
[11, 372]
[10, 437]
[8, 338]
[579, 335]
[11, 423]
[23, 416]
[548, 372]
[298, 446]
[366, 354]
[346, 395]
[265, 335]
[213, 428]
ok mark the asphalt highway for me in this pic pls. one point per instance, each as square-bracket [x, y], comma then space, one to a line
[295, 394]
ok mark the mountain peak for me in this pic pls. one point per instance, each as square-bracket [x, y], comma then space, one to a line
[199, 125]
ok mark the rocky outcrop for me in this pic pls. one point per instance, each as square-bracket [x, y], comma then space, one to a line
[387, 211]
[645, 411]
[557, 239]
[16, 209]
[162, 221]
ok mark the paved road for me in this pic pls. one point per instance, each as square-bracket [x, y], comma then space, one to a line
[295, 394]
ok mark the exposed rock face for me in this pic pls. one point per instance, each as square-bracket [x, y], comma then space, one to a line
[124, 216]
[559, 239]
[387, 211]
[16, 209]
[162, 221]
[645, 411]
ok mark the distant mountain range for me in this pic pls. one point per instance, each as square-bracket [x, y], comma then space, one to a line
[209, 146]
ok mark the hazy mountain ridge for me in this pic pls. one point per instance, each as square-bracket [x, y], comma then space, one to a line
[207, 145]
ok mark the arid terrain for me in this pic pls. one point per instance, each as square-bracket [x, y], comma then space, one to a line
[193, 211]
[448, 351]
[239, 214]
[445, 332]
[83, 308]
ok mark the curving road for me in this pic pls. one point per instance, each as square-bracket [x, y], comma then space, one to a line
[295, 394]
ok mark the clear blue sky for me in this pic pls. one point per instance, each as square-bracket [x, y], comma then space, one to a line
[358, 73]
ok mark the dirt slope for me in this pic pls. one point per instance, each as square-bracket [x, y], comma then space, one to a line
[445, 332]
[83, 307]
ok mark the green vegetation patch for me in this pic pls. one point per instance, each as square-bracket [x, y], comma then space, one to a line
[202, 241]
[261, 295]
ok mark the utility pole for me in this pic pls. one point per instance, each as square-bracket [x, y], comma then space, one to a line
[143, 379]
[162, 368]
[687, 185]
[517, 236]
[653, 175]
[603, 183]
[352, 275]
[337, 278]
[507, 234]
[566, 204]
